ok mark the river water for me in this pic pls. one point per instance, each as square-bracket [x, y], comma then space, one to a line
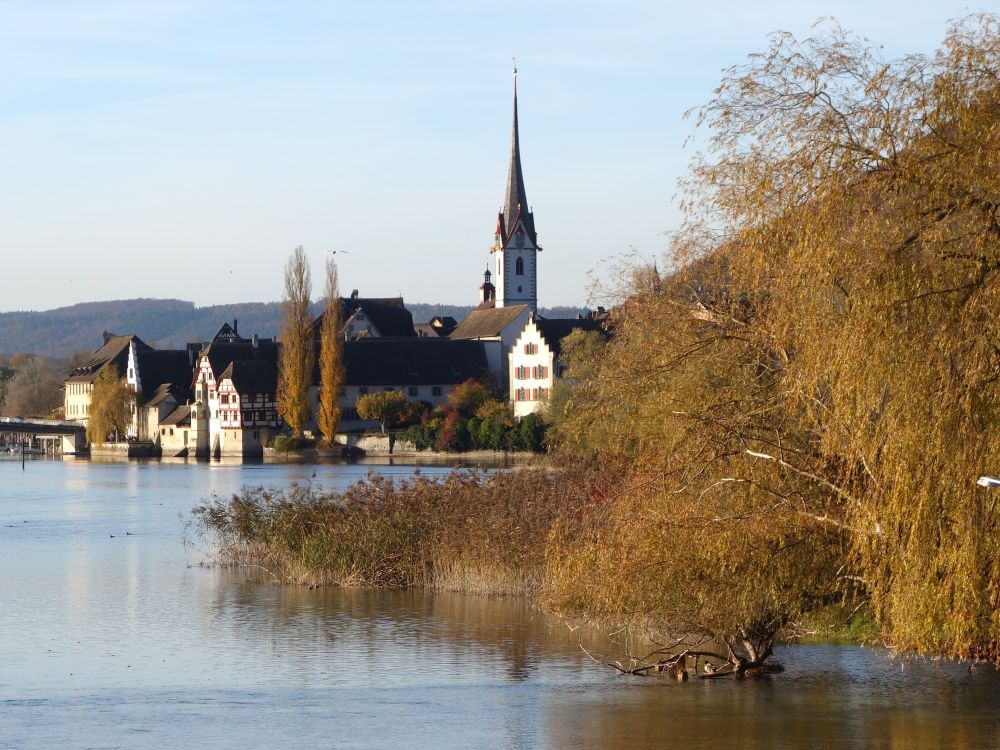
[114, 635]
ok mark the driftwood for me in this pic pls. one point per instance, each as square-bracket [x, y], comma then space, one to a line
[751, 660]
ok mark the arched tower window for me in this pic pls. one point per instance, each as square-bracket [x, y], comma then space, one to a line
[519, 267]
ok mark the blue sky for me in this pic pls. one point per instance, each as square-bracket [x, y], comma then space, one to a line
[182, 149]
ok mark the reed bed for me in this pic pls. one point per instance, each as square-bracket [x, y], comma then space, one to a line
[470, 531]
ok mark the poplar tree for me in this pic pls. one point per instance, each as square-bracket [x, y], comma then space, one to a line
[331, 366]
[295, 366]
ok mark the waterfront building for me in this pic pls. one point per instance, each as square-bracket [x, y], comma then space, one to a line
[161, 379]
[116, 352]
[218, 424]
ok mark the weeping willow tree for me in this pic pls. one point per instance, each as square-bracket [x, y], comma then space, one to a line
[806, 404]
[111, 404]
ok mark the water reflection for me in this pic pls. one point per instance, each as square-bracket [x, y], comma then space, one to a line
[113, 636]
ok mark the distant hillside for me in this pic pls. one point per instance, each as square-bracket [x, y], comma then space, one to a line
[162, 323]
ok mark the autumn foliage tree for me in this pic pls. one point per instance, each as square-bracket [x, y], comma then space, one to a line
[799, 414]
[111, 402]
[331, 365]
[388, 408]
[295, 368]
[32, 391]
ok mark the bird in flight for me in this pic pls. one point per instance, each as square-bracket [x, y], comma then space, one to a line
[334, 252]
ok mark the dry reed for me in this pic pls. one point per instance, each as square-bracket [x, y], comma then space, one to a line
[468, 532]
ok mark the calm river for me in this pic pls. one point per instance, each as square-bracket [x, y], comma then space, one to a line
[113, 636]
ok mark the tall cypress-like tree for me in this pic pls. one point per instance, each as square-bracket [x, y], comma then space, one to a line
[331, 366]
[297, 356]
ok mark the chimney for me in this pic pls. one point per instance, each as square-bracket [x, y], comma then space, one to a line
[354, 294]
[236, 329]
[254, 341]
[107, 335]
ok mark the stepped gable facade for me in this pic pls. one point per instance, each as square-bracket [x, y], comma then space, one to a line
[534, 358]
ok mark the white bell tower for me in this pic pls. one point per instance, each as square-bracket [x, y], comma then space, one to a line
[515, 242]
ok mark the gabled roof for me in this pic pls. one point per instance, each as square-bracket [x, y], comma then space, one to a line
[251, 376]
[228, 334]
[180, 394]
[413, 361]
[388, 314]
[485, 324]
[220, 355]
[113, 352]
[167, 366]
[554, 331]
[179, 417]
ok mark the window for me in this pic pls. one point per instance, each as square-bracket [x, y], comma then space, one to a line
[519, 268]
[413, 391]
[436, 390]
[171, 430]
[521, 373]
[531, 348]
[224, 398]
[534, 394]
[539, 373]
[163, 431]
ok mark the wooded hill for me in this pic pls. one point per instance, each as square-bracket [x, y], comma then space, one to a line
[163, 323]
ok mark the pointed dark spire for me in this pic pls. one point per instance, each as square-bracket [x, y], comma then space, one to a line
[515, 199]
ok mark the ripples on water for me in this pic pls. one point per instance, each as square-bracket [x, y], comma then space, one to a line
[113, 636]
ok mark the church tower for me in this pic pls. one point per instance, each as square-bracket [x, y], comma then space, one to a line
[515, 242]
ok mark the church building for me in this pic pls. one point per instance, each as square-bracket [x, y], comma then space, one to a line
[509, 295]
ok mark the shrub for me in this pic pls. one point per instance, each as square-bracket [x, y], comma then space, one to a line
[286, 443]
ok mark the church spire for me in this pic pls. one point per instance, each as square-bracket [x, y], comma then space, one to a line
[516, 200]
[515, 246]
